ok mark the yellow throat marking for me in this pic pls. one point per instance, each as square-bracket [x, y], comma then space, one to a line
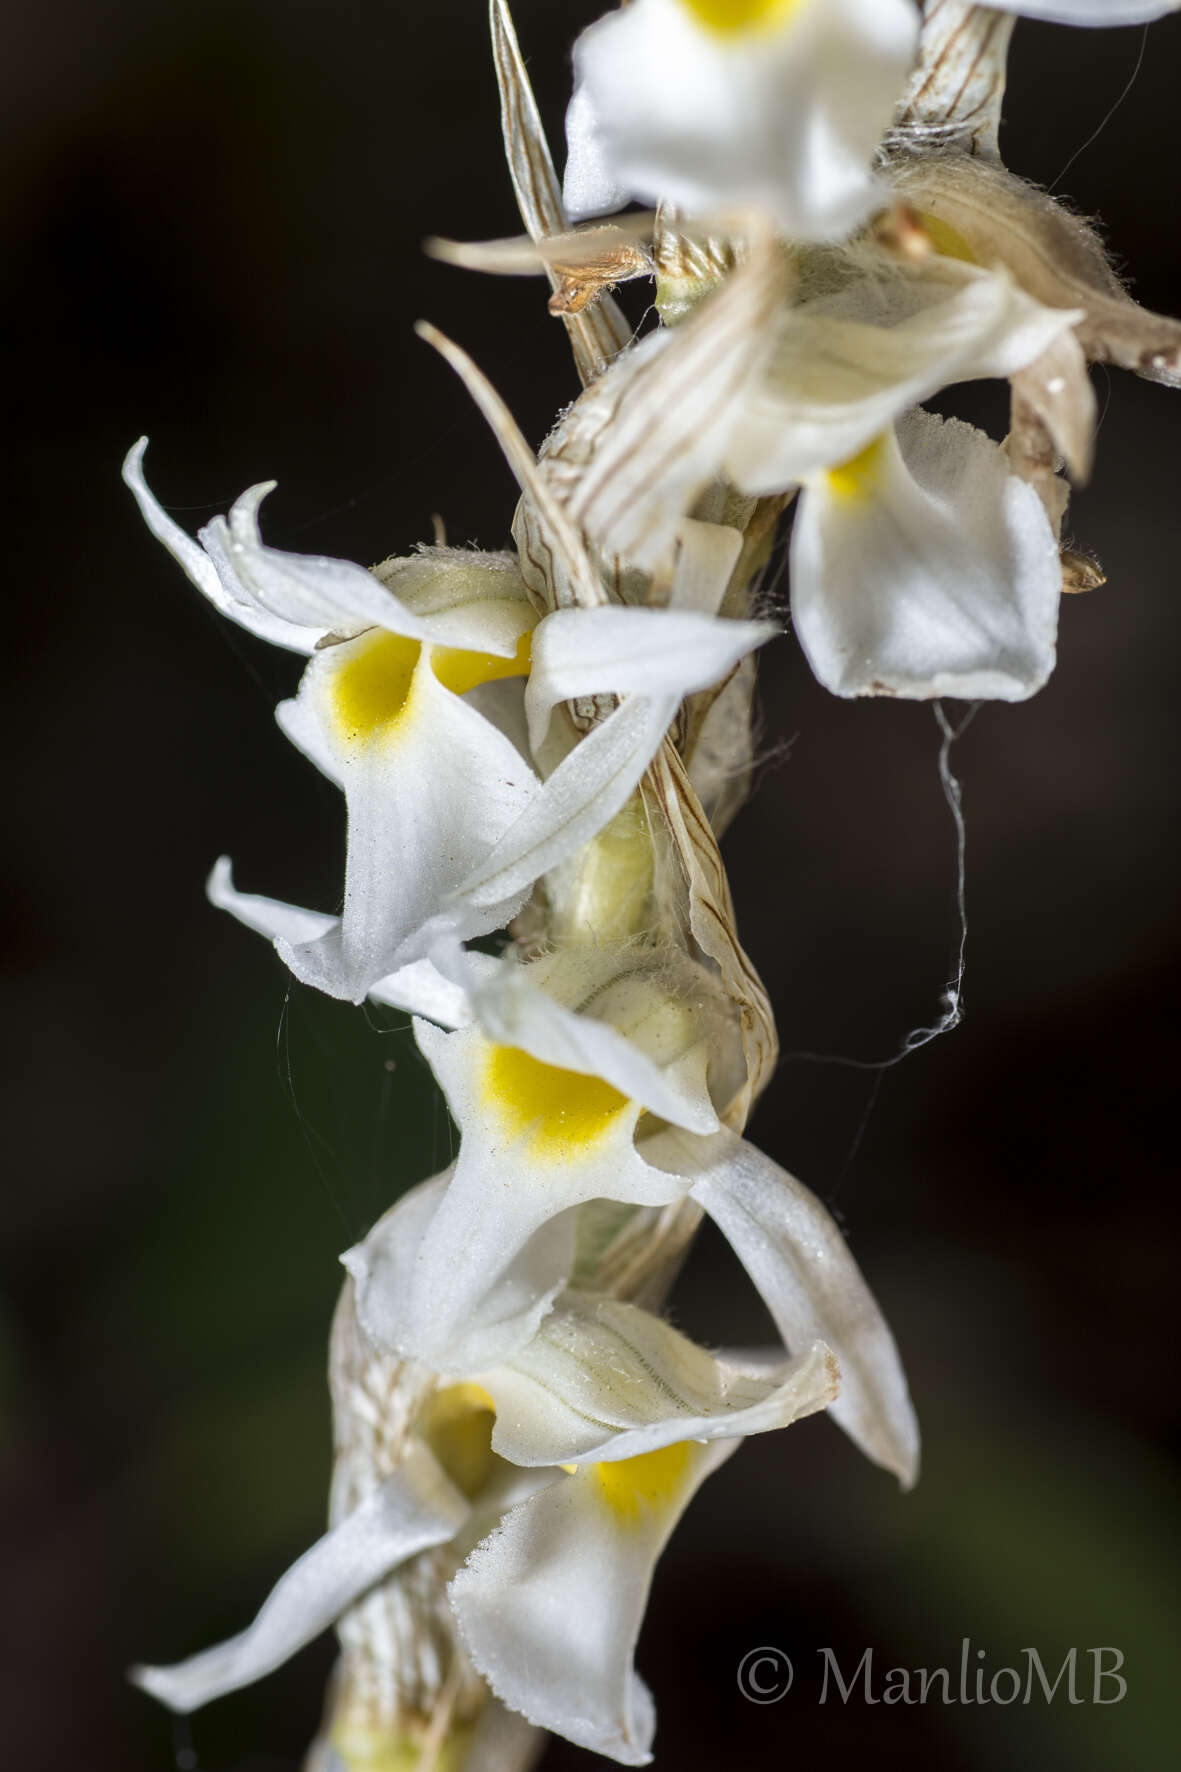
[857, 478]
[730, 18]
[372, 684]
[456, 1423]
[562, 1113]
[636, 1487]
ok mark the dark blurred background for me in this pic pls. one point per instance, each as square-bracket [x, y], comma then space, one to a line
[214, 212]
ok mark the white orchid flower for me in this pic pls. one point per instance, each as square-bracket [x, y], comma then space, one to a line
[430, 783]
[922, 565]
[449, 824]
[548, 1101]
[557, 1109]
[550, 1604]
[653, 658]
[718, 104]
[601, 1430]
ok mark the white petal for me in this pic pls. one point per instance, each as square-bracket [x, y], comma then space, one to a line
[596, 778]
[843, 369]
[338, 596]
[785, 114]
[1090, 12]
[404, 1300]
[412, 1510]
[588, 187]
[798, 1259]
[429, 796]
[211, 571]
[926, 569]
[631, 651]
[473, 601]
[550, 1605]
[605, 1380]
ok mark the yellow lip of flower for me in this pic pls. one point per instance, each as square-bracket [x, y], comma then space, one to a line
[858, 478]
[562, 1113]
[372, 686]
[733, 18]
[634, 1488]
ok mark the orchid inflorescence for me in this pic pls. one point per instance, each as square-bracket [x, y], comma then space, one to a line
[550, 741]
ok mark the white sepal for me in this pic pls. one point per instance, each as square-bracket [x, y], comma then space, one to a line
[1090, 12]
[266, 916]
[585, 791]
[481, 609]
[310, 591]
[783, 114]
[551, 1603]
[295, 600]
[403, 1291]
[603, 1380]
[844, 367]
[419, 988]
[412, 1510]
[796, 1256]
[926, 568]
[210, 569]
[632, 651]
[595, 779]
